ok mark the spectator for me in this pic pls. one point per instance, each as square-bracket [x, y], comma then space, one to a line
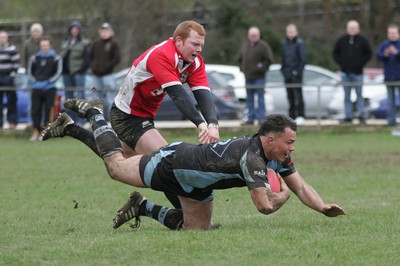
[104, 56]
[74, 53]
[254, 59]
[351, 52]
[31, 46]
[9, 63]
[388, 53]
[44, 69]
[294, 59]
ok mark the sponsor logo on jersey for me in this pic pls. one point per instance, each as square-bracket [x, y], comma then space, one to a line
[157, 92]
[260, 173]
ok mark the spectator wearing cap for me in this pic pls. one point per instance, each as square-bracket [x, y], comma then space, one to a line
[75, 58]
[104, 56]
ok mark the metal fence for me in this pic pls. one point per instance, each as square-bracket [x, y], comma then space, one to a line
[268, 87]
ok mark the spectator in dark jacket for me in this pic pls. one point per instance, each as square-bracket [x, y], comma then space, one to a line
[44, 69]
[75, 56]
[388, 53]
[294, 59]
[9, 64]
[352, 52]
[104, 56]
[255, 57]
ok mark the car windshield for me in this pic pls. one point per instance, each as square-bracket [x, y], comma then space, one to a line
[274, 76]
[312, 77]
[216, 80]
[227, 76]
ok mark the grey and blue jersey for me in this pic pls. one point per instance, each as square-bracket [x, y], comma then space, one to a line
[194, 171]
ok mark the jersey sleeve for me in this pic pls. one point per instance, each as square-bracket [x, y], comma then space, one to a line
[286, 168]
[163, 69]
[254, 170]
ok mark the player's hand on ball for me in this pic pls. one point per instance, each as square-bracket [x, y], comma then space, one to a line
[332, 210]
[284, 187]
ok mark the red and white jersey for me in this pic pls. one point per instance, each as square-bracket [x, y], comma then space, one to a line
[161, 66]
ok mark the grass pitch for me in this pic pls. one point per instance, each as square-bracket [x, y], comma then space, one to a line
[57, 203]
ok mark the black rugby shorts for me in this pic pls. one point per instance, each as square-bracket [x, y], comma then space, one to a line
[129, 128]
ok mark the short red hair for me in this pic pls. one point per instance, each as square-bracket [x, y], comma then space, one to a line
[184, 28]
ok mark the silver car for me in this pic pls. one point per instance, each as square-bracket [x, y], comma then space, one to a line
[319, 87]
[373, 91]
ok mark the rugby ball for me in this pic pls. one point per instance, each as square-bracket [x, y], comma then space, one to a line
[273, 180]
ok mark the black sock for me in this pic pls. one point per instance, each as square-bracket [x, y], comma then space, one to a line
[171, 218]
[84, 135]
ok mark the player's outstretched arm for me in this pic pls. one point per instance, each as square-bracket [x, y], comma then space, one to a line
[310, 197]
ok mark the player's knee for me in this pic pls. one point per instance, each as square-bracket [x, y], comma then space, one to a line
[188, 226]
[198, 224]
[113, 172]
[113, 166]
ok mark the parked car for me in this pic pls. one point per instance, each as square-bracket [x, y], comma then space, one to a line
[319, 85]
[24, 97]
[373, 90]
[236, 79]
[378, 107]
[233, 76]
[227, 105]
[276, 99]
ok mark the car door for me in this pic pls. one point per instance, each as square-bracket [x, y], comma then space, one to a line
[318, 90]
[314, 79]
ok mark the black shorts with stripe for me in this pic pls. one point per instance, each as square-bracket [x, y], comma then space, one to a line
[129, 128]
[157, 173]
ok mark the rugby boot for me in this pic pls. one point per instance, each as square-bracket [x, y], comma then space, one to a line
[81, 106]
[56, 129]
[129, 211]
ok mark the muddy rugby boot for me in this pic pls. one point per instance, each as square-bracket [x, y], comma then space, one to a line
[56, 129]
[81, 106]
[129, 211]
